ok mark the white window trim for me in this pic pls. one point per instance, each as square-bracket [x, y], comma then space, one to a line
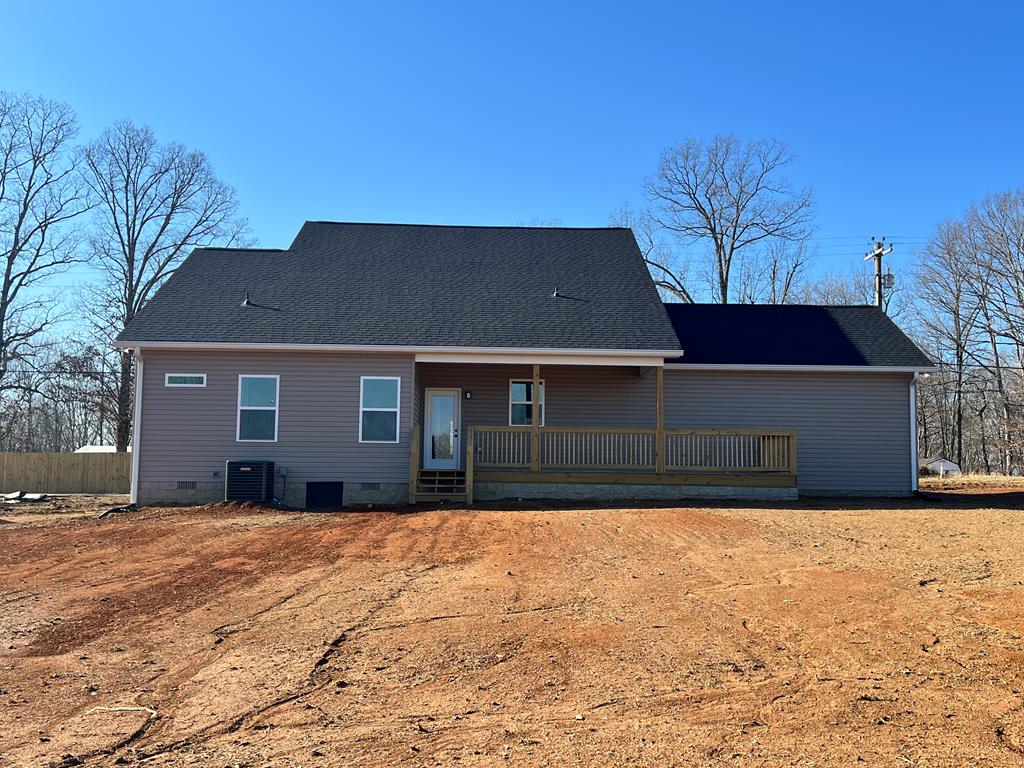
[276, 409]
[511, 402]
[397, 410]
[167, 380]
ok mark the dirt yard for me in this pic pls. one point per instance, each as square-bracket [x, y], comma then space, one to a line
[811, 634]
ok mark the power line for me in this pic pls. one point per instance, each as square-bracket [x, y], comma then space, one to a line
[868, 237]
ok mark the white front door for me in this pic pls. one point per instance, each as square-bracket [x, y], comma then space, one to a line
[441, 434]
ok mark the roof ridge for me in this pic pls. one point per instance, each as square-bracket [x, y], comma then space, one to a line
[227, 248]
[719, 304]
[457, 226]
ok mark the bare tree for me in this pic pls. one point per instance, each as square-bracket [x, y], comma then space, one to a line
[951, 313]
[154, 203]
[997, 225]
[855, 286]
[840, 289]
[971, 316]
[40, 193]
[60, 403]
[777, 275]
[540, 221]
[669, 271]
[997, 259]
[731, 196]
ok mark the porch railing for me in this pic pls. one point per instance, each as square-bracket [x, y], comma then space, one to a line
[616, 449]
[729, 450]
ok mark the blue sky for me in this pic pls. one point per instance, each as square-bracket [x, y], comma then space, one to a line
[481, 113]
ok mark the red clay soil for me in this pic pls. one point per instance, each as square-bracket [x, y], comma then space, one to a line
[885, 634]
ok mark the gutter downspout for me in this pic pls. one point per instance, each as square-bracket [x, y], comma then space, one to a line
[913, 432]
[136, 426]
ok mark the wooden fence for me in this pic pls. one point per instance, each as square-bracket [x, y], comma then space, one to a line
[65, 472]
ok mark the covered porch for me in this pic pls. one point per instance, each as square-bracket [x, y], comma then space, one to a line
[509, 429]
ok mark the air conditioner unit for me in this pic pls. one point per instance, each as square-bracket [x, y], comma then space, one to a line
[249, 481]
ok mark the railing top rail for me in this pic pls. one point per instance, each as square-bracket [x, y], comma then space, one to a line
[641, 430]
[738, 432]
[527, 428]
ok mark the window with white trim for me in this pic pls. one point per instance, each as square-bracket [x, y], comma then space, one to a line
[257, 408]
[520, 402]
[378, 408]
[185, 380]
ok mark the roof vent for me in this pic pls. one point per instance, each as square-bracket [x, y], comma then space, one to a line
[245, 301]
[555, 294]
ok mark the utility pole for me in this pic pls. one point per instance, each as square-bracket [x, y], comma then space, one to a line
[882, 282]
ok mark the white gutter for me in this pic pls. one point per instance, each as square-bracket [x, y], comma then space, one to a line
[136, 426]
[913, 433]
[403, 349]
[799, 368]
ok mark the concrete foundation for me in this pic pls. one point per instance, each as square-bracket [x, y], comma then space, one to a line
[388, 494]
[292, 494]
[157, 493]
[614, 492]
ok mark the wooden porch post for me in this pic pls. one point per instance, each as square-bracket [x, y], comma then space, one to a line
[660, 448]
[470, 439]
[414, 462]
[535, 422]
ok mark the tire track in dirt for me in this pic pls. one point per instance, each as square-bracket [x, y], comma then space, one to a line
[316, 679]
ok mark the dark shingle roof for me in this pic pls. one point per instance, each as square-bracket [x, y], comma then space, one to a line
[792, 334]
[417, 285]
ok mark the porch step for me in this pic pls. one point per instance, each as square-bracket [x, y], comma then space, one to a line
[441, 485]
[458, 498]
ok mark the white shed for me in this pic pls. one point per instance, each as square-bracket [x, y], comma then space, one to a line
[941, 467]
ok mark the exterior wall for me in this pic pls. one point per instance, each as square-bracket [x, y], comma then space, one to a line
[853, 430]
[577, 395]
[187, 434]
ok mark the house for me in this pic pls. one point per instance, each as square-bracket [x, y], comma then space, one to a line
[380, 363]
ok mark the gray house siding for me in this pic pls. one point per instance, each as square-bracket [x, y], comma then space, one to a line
[853, 430]
[577, 395]
[187, 434]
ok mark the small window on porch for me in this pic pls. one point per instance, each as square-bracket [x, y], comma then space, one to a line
[520, 402]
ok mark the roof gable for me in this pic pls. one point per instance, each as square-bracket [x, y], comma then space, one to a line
[417, 285]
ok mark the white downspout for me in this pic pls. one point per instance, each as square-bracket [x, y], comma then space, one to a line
[913, 431]
[136, 426]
